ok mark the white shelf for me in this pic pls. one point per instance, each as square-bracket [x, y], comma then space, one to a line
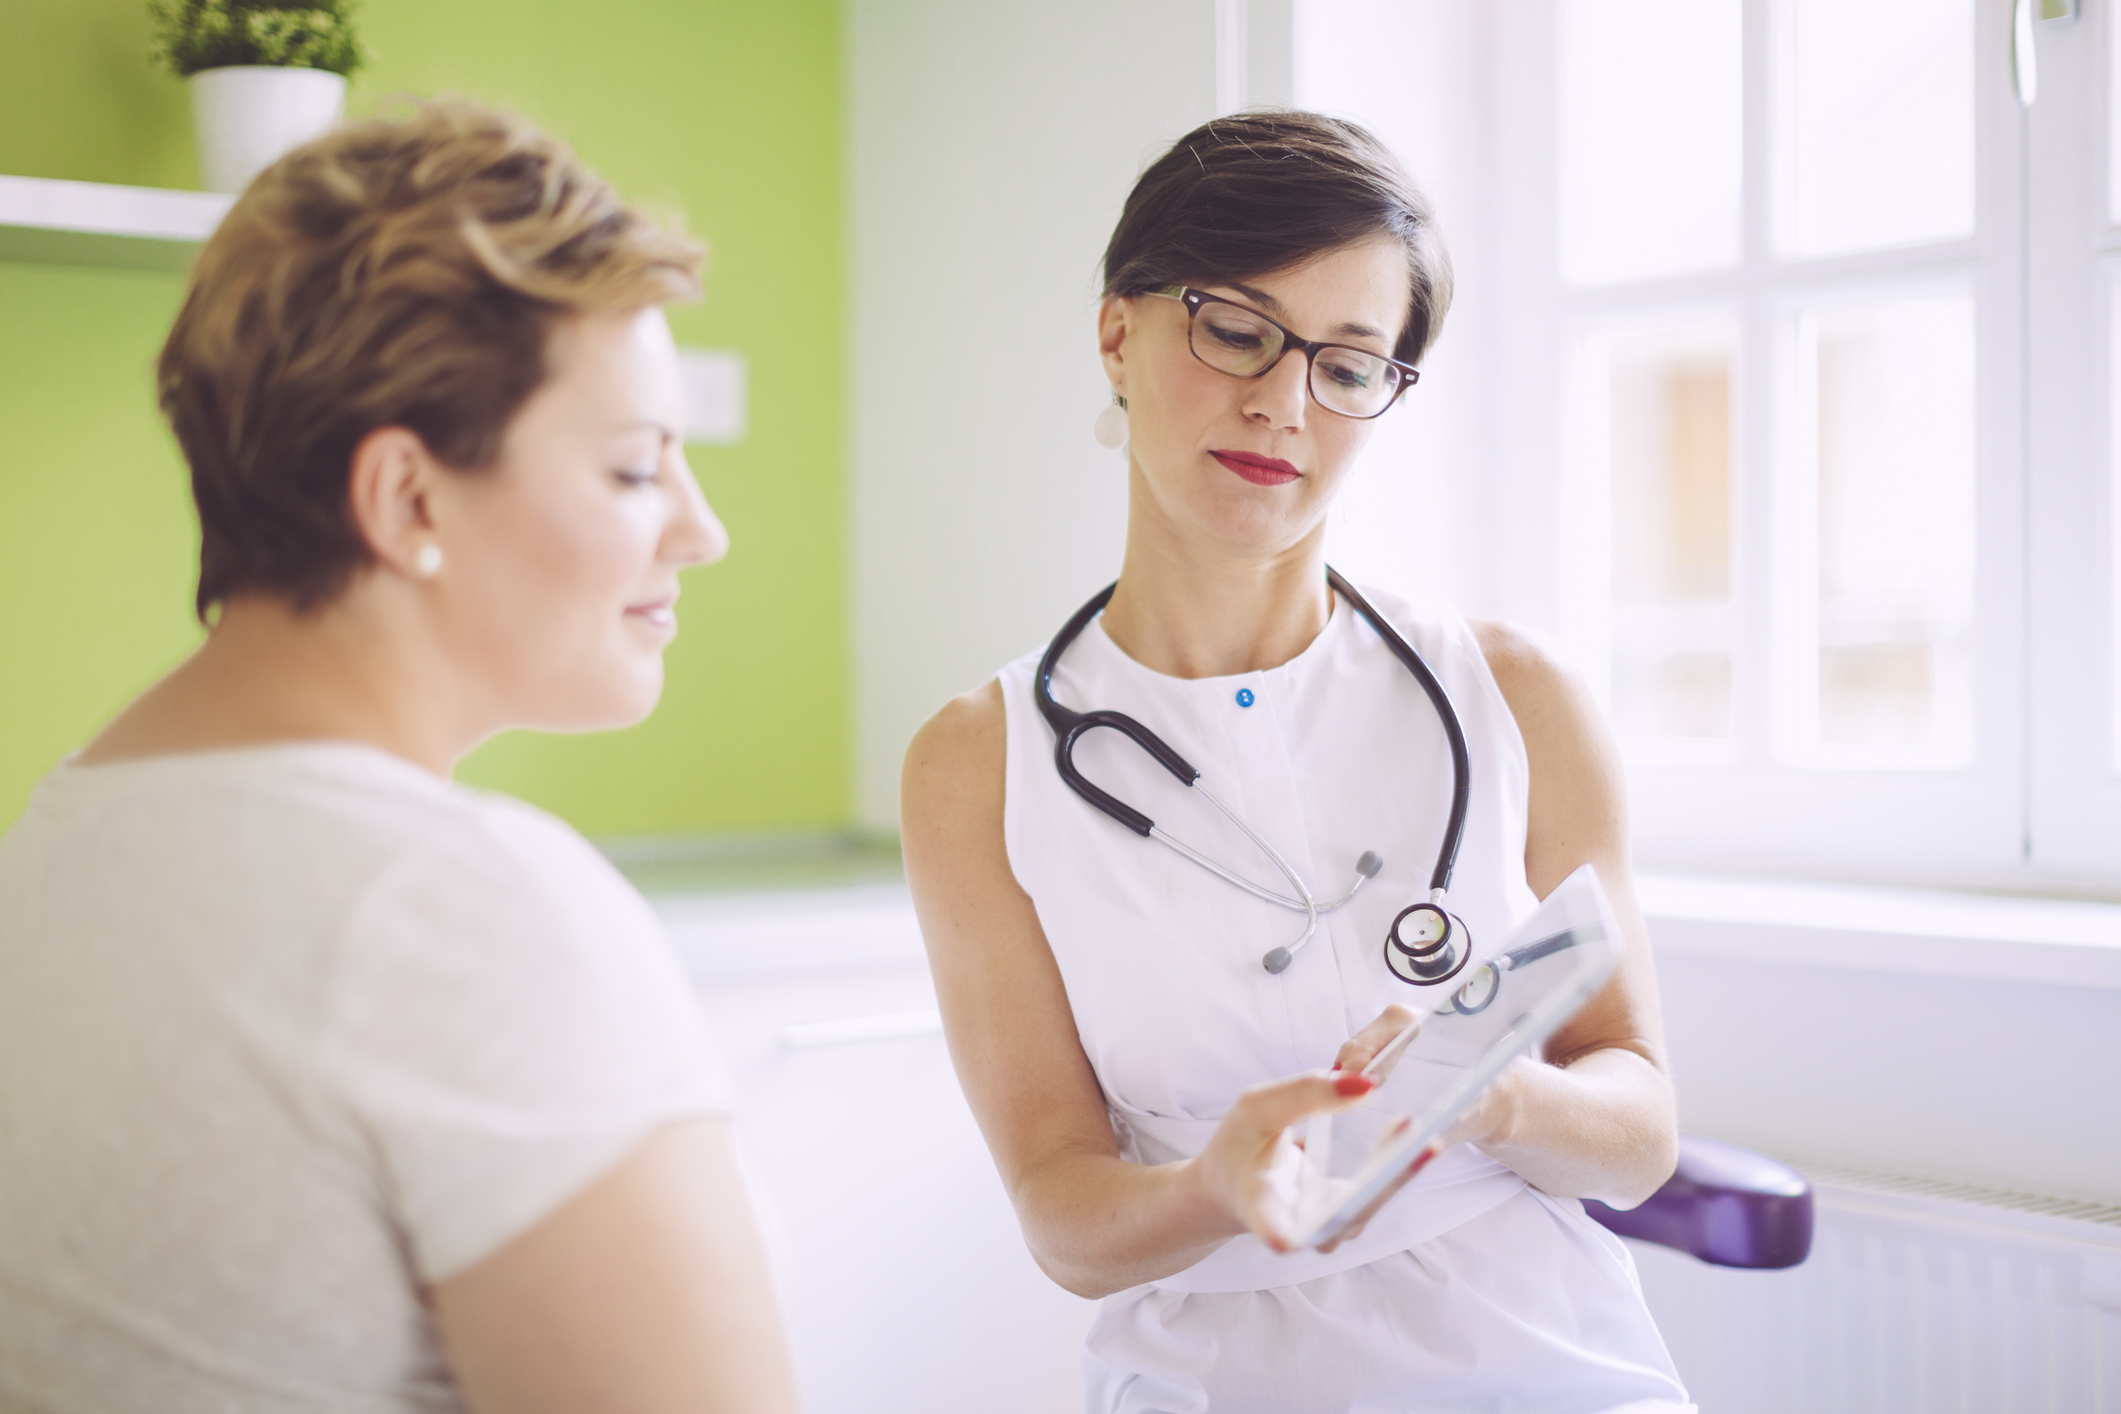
[91, 223]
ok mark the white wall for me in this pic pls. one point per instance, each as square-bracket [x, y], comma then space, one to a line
[1963, 1038]
[991, 147]
[904, 1275]
[2002, 1084]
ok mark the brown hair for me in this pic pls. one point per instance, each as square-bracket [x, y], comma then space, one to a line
[1263, 191]
[401, 272]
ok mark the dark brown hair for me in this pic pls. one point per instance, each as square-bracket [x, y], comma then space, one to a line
[394, 273]
[1264, 191]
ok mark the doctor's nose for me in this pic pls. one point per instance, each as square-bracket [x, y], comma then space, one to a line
[1278, 397]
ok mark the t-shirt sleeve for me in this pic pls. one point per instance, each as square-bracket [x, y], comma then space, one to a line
[509, 1021]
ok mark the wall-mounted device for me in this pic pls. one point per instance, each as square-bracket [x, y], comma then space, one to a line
[717, 395]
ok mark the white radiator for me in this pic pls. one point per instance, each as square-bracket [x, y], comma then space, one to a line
[1918, 1297]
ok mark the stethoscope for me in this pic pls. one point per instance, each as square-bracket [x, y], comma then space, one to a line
[1425, 946]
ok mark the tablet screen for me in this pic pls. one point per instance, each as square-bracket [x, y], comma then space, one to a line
[1507, 1006]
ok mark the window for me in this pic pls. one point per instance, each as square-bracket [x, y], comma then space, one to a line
[1656, 454]
[1796, 336]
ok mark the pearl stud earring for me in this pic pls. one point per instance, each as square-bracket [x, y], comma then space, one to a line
[427, 563]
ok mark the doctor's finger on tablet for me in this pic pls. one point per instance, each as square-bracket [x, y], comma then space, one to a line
[1240, 1157]
[1376, 1048]
[1419, 1162]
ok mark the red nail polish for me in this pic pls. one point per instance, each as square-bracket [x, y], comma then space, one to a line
[1355, 1084]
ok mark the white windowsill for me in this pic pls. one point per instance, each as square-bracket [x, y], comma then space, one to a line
[755, 936]
[727, 933]
[1929, 932]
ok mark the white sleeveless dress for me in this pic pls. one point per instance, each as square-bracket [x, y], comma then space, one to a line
[1471, 1290]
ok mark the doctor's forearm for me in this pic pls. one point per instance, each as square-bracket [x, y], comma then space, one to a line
[1604, 1127]
[1097, 1224]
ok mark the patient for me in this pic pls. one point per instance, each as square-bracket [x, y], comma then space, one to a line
[323, 1082]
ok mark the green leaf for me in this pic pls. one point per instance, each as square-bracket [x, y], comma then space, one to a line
[192, 35]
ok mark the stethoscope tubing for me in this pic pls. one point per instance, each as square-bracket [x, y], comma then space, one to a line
[1069, 726]
[1306, 902]
[1454, 732]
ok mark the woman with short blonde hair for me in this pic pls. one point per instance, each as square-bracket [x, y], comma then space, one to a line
[326, 1083]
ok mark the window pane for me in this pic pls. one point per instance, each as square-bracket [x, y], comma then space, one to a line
[2113, 493]
[1875, 132]
[1895, 403]
[1670, 415]
[1650, 137]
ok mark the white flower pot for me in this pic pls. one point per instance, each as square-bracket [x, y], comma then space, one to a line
[250, 114]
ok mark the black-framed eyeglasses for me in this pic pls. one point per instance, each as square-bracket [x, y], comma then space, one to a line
[1238, 340]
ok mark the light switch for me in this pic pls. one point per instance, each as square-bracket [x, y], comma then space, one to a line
[716, 395]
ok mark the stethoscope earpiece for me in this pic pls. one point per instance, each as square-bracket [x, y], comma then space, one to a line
[1277, 960]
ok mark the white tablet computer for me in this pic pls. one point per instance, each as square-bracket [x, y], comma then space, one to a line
[1507, 1005]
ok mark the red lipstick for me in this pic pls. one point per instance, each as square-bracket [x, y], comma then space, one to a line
[1259, 470]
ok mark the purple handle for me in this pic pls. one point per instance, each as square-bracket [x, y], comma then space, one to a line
[1725, 1205]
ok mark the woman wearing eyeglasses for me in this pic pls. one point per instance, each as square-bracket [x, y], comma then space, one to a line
[1135, 1035]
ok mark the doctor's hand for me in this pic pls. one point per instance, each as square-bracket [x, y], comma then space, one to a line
[1488, 1119]
[1491, 1117]
[1358, 1050]
[1355, 1053]
[1246, 1167]
[1248, 1164]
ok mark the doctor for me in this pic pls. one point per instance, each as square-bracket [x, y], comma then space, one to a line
[1271, 286]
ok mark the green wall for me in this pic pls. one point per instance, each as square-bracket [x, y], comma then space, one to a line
[726, 112]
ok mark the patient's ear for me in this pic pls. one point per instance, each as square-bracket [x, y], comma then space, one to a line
[390, 485]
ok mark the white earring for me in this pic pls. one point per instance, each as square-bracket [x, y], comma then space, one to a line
[427, 563]
[1110, 429]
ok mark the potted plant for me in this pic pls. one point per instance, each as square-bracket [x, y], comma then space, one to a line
[265, 76]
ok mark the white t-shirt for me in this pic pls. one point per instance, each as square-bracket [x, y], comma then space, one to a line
[286, 1035]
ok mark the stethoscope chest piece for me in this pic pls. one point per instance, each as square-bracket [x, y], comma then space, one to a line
[1427, 946]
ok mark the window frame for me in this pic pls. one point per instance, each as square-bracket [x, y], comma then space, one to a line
[2073, 439]
[2040, 806]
